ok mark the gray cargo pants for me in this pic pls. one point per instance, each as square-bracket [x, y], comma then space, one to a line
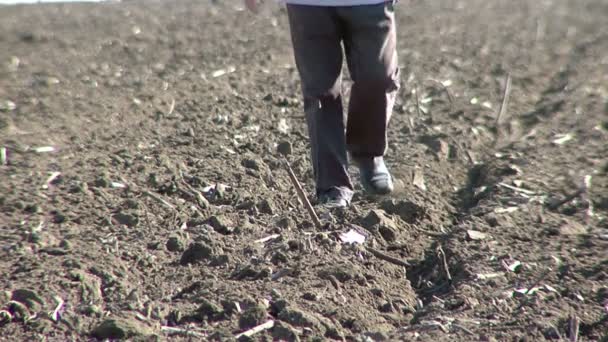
[368, 34]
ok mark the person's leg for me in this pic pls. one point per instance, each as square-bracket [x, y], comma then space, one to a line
[316, 37]
[370, 43]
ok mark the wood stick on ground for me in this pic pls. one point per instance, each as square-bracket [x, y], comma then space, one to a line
[174, 330]
[55, 314]
[171, 107]
[387, 257]
[463, 328]
[445, 263]
[556, 205]
[503, 105]
[3, 160]
[574, 329]
[255, 330]
[417, 101]
[541, 278]
[443, 87]
[302, 195]
[159, 199]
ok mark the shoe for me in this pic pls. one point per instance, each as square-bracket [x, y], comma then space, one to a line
[375, 177]
[335, 198]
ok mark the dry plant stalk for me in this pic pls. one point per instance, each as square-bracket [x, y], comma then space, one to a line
[574, 328]
[387, 257]
[302, 195]
[417, 101]
[257, 329]
[444, 88]
[3, 159]
[445, 263]
[503, 105]
[159, 200]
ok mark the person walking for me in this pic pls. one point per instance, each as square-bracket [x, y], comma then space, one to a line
[365, 30]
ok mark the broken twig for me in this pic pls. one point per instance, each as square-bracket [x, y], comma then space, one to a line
[541, 278]
[574, 329]
[51, 178]
[505, 101]
[387, 257]
[445, 263]
[3, 160]
[256, 329]
[174, 330]
[159, 200]
[55, 314]
[268, 238]
[171, 107]
[302, 195]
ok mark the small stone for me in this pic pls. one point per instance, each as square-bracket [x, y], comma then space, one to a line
[65, 244]
[277, 306]
[49, 81]
[252, 317]
[310, 296]
[7, 106]
[132, 204]
[278, 258]
[266, 207]
[284, 332]
[342, 273]
[220, 260]
[102, 182]
[221, 224]
[58, 217]
[570, 227]
[32, 208]
[197, 252]
[175, 244]
[409, 212]
[284, 148]
[92, 310]
[30, 298]
[386, 307]
[121, 329]
[298, 318]
[492, 219]
[285, 223]
[388, 233]
[439, 146]
[254, 164]
[209, 310]
[130, 220]
[376, 217]
[475, 235]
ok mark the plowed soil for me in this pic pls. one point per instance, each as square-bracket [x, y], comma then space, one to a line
[144, 193]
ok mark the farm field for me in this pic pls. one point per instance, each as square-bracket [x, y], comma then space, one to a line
[144, 192]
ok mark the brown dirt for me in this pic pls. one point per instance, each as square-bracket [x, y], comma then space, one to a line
[129, 93]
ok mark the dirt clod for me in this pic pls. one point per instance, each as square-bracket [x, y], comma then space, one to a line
[221, 224]
[300, 318]
[409, 212]
[129, 219]
[285, 332]
[196, 252]
[253, 316]
[209, 310]
[28, 297]
[284, 148]
[175, 244]
[121, 328]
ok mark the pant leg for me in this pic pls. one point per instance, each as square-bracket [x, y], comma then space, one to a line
[316, 37]
[370, 43]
